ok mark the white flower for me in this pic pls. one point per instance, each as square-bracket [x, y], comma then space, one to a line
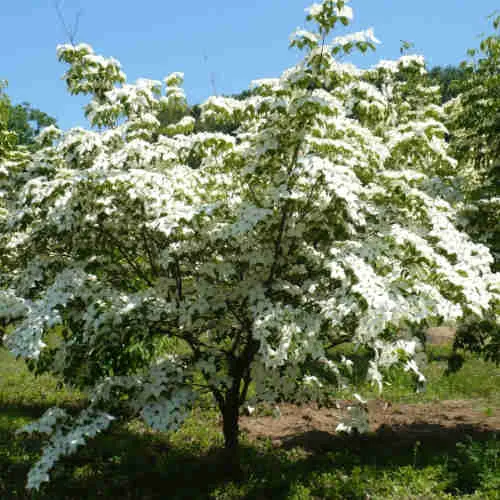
[357, 420]
[360, 399]
[346, 12]
[250, 409]
[174, 79]
[314, 10]
[360, 36]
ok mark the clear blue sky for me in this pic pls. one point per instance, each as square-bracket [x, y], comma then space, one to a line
[236, 40]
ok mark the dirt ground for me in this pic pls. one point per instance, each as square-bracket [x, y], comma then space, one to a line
[440, 335]
[438, 422]
[314, 428]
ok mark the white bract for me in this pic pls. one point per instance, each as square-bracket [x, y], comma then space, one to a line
[181, 256]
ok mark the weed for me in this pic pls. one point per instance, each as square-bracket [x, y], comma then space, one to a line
[477, 466]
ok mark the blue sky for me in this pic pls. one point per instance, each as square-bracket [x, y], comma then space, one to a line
[235, 41]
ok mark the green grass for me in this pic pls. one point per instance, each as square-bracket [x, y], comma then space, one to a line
[133, 462]
[477, 380]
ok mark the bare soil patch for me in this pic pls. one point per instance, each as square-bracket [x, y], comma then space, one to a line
[440, 335]
[314, 428]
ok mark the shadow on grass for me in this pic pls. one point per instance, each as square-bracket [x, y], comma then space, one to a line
[348, 461]
[391, 441]
[36, 410]
[128, 465]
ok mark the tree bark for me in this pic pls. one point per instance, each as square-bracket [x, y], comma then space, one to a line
[230, 425]
[230, 417]
[229, 405]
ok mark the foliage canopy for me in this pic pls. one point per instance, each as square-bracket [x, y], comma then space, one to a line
[473, 118]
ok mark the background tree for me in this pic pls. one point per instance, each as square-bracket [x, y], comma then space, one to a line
[11, 163]
[474, 123]
[449, 78]
[27, 122]
[318, 220]
[7, 138]
[6, 142]
[21, 123]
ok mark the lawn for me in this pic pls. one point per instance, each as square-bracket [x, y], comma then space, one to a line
[437, 444]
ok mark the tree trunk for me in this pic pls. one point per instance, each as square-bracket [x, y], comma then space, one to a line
[230, 426]
[230, 416]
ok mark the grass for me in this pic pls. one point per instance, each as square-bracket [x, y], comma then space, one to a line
[133, 462]
[477, 380]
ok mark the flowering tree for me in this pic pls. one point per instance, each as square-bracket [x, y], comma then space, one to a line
[175, 262]
[11, 160]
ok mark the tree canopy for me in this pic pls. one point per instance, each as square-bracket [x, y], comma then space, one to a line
[7, 138]
[474, 124]
[20, 123]
[449, 78]
[27, 122]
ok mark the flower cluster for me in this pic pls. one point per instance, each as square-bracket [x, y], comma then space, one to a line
[66, 436]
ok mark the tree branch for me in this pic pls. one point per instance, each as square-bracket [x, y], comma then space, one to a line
[127, 257]
[247, 379]
[154, 268]
[284, 217]
[178, 281]
[339, 341]
[71, 32]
